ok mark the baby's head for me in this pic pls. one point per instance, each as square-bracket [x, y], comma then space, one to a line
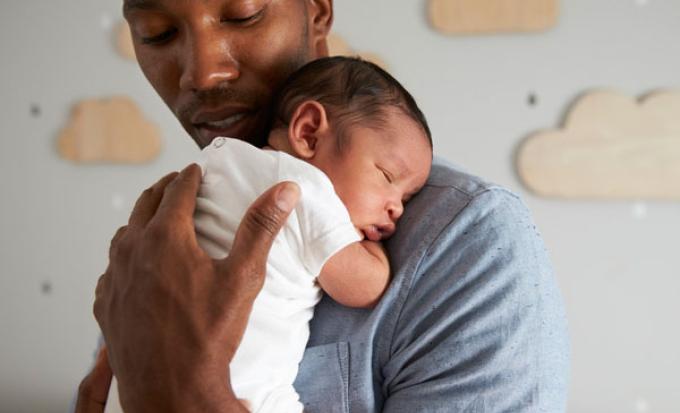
[358, 124]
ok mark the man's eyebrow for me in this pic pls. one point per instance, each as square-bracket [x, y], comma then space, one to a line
[130, 5]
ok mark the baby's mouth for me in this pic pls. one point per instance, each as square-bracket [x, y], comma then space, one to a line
[372, 233]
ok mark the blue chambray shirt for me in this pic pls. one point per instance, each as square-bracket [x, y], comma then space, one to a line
[472, 321]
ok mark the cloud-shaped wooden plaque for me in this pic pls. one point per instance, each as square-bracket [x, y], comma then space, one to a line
[611, 146]
[124, 44]
[111, 130]
[337, 46]
[492, 16]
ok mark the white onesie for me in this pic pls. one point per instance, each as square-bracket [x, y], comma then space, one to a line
[235, 173]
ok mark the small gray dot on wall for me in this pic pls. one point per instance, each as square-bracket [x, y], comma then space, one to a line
[46, 288]
[532, 99]
[35, 110]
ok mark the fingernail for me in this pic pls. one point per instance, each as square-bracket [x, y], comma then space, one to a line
[287, 197]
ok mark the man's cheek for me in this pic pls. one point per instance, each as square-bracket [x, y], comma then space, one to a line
[285, 53]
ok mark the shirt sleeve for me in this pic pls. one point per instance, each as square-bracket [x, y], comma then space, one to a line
[325, 224]
[483, 328]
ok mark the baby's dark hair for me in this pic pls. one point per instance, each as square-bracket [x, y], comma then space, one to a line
[351, 90]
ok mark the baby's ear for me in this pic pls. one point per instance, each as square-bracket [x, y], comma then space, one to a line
[308, 125]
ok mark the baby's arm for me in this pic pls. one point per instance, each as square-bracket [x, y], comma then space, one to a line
[357, 275]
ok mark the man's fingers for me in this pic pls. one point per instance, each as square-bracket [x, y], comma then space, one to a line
[176, 208]
[259, 227]
[114, 247]
[148, 201]
[94, 389]
[101, 293]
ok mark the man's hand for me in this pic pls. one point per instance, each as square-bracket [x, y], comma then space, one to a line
[171, 316]
[94, 389]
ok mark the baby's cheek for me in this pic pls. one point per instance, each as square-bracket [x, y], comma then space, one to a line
[366, 209]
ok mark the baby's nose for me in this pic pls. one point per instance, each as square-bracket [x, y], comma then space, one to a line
[395, 210]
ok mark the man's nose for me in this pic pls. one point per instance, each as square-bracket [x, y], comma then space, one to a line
[208, 62]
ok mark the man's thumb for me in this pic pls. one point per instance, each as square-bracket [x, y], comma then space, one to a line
[259, 227]
[94, 389]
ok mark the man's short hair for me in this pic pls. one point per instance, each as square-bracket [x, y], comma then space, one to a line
[351, 90]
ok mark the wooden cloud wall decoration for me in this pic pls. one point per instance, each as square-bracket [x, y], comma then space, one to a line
[492, 16]
[124, 43]
[337, 46]
[110, 130]
[611, 146]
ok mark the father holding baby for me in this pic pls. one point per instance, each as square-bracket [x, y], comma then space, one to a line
[472, 319]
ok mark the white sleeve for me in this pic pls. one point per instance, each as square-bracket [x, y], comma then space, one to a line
[324, 221]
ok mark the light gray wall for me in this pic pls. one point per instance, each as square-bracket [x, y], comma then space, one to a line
[617, 262]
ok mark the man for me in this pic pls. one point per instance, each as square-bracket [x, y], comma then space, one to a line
[472, 320]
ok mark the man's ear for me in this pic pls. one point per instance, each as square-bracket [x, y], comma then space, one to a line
[308, 125]
[320, 14]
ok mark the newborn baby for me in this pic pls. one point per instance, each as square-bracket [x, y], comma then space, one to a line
[355, 142]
